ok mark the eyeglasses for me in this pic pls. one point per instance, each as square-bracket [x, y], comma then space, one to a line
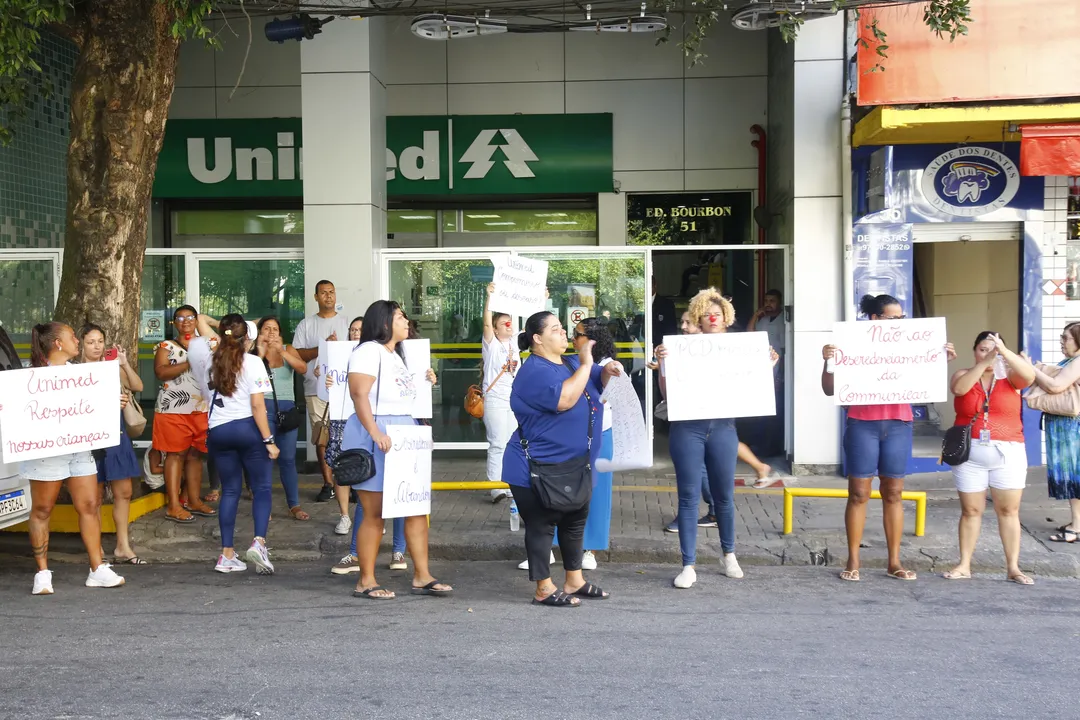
[577, 335]
[895, 317]
[184, 318]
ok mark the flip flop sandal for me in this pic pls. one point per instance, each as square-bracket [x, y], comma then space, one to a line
[212, 496]
[903, 575]
[590, 591]
[181, 520]
[1021, 579]
[202, 510]
[849, 575]
[429, 589]
[769, 480]
[950, 575]
[557, 599]
[367, 593]
[299, 514]
[133, 560]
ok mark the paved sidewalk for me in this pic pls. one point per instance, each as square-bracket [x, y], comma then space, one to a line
[466, 525]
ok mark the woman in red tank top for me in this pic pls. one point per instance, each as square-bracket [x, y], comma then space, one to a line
[987, 397]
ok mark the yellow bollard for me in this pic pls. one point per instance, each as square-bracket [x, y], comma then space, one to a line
[790, 493]
[470, 485]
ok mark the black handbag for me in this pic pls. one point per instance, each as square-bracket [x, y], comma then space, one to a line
[956, 445]
[357, 465]
[565, 486]
[286, 421]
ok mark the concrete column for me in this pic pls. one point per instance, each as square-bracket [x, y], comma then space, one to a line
[611, 218]
[344, 111]
[806, 88]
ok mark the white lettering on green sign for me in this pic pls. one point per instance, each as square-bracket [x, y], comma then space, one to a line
[251, 163]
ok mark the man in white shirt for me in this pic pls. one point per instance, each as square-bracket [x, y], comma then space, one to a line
[770, 318]
[327, 324]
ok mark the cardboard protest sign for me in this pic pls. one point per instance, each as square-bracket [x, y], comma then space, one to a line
[629, 438]
[333, 362]
[418, 362]
[407, 473]
[719, 375]
[890, 362]
[520, 285]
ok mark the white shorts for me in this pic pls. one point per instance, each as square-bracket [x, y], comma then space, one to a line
[1000, 465]
[58, 467]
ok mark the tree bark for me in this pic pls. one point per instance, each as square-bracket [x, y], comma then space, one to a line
[120, 95]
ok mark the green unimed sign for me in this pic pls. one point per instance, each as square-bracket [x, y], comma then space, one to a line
[425, 156]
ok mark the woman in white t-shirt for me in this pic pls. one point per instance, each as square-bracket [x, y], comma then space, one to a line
[383, 394]
[501, 361]
[239, 438]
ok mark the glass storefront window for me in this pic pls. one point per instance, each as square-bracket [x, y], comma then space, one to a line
[27, 296]
[446, 297]
[238, 222]
[254, 288]
[411, 221]
[532, 221]
[698, 218]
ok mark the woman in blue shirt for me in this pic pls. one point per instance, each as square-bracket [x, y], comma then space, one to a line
[554, 400]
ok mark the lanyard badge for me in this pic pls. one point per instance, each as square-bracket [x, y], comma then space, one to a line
[984, 433]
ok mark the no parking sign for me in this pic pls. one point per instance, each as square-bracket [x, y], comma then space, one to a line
[575, 315]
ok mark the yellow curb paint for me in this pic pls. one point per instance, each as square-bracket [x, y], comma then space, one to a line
[64, 519]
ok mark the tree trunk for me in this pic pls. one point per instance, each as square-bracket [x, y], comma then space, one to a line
[120, 96]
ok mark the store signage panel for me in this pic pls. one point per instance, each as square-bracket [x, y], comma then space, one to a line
[425, 156]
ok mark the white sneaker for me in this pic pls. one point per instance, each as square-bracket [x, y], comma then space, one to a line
[588, 560]
[229, 565]
[500, 495]
[103, 577]
[259, 555]
[525, 565]
[344, 525]
[731, 566]
[397, 562]
[43, 583]
[686, 578]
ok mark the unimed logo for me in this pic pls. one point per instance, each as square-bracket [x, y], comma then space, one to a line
[424, 161]
[250, 163]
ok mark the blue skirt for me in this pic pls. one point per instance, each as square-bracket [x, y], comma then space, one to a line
[1062, 456]
[356, 436]
[598, 525]
[119, 462]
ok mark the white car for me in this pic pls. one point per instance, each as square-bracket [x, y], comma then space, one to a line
[14, 491]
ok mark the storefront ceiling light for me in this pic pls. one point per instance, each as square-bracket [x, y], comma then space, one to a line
[417, 217]
[551, 215]
[273, 216]
[501, 223]
[453, 27]
[481, 217]
[562, 222]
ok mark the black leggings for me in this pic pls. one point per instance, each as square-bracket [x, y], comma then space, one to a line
[540, 524]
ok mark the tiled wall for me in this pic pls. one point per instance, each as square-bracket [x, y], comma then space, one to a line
[1057, 308]
[33, 182]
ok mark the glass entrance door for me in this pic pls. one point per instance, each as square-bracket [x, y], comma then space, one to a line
[254, 286]
[444, 292]
[28, 286]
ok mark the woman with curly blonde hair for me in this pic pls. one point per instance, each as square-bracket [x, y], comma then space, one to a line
[712, 445]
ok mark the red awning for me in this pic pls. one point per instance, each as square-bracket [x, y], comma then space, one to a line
[1050, 149]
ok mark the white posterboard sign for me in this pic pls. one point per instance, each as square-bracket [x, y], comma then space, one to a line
[520, 285]
[407, 472]
[631, 447]
[890, 362]
[59, 410]
[719, 375]
[418, 362]
[333, 362]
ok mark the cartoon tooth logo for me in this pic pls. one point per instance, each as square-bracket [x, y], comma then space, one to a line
[967, 179]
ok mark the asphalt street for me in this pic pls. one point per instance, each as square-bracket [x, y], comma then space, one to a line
[184, 642]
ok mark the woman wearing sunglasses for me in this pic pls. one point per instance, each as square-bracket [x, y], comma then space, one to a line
[877, 442]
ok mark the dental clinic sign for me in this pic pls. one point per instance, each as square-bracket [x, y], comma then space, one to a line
[425, 155]
[970, 181]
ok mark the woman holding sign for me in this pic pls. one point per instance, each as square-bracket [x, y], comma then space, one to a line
[987, 397]
[54, 343]
[556, 401]
[383, 394]
[877, 441]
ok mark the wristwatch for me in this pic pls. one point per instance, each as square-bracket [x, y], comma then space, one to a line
[268, 440]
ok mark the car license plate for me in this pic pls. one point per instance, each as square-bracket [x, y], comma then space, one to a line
[12, 502]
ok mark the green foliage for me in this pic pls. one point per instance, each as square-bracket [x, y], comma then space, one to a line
[21, 25]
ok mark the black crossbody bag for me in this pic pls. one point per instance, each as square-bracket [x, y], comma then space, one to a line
[357, 465]
[565, 486]
[956, 445]
[284, 421]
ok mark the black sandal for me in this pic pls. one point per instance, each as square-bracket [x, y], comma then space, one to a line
[558, 599]
[429, 589]
[367, 593]
[588, 590]
[1062, 536]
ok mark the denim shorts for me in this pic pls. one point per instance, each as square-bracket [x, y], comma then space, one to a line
[59, 467]
[877, 447]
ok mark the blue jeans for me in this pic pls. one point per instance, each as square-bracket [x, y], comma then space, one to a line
[712, 446]
[286, 461]
[877, 447]
[238, 450]
[358, 517]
